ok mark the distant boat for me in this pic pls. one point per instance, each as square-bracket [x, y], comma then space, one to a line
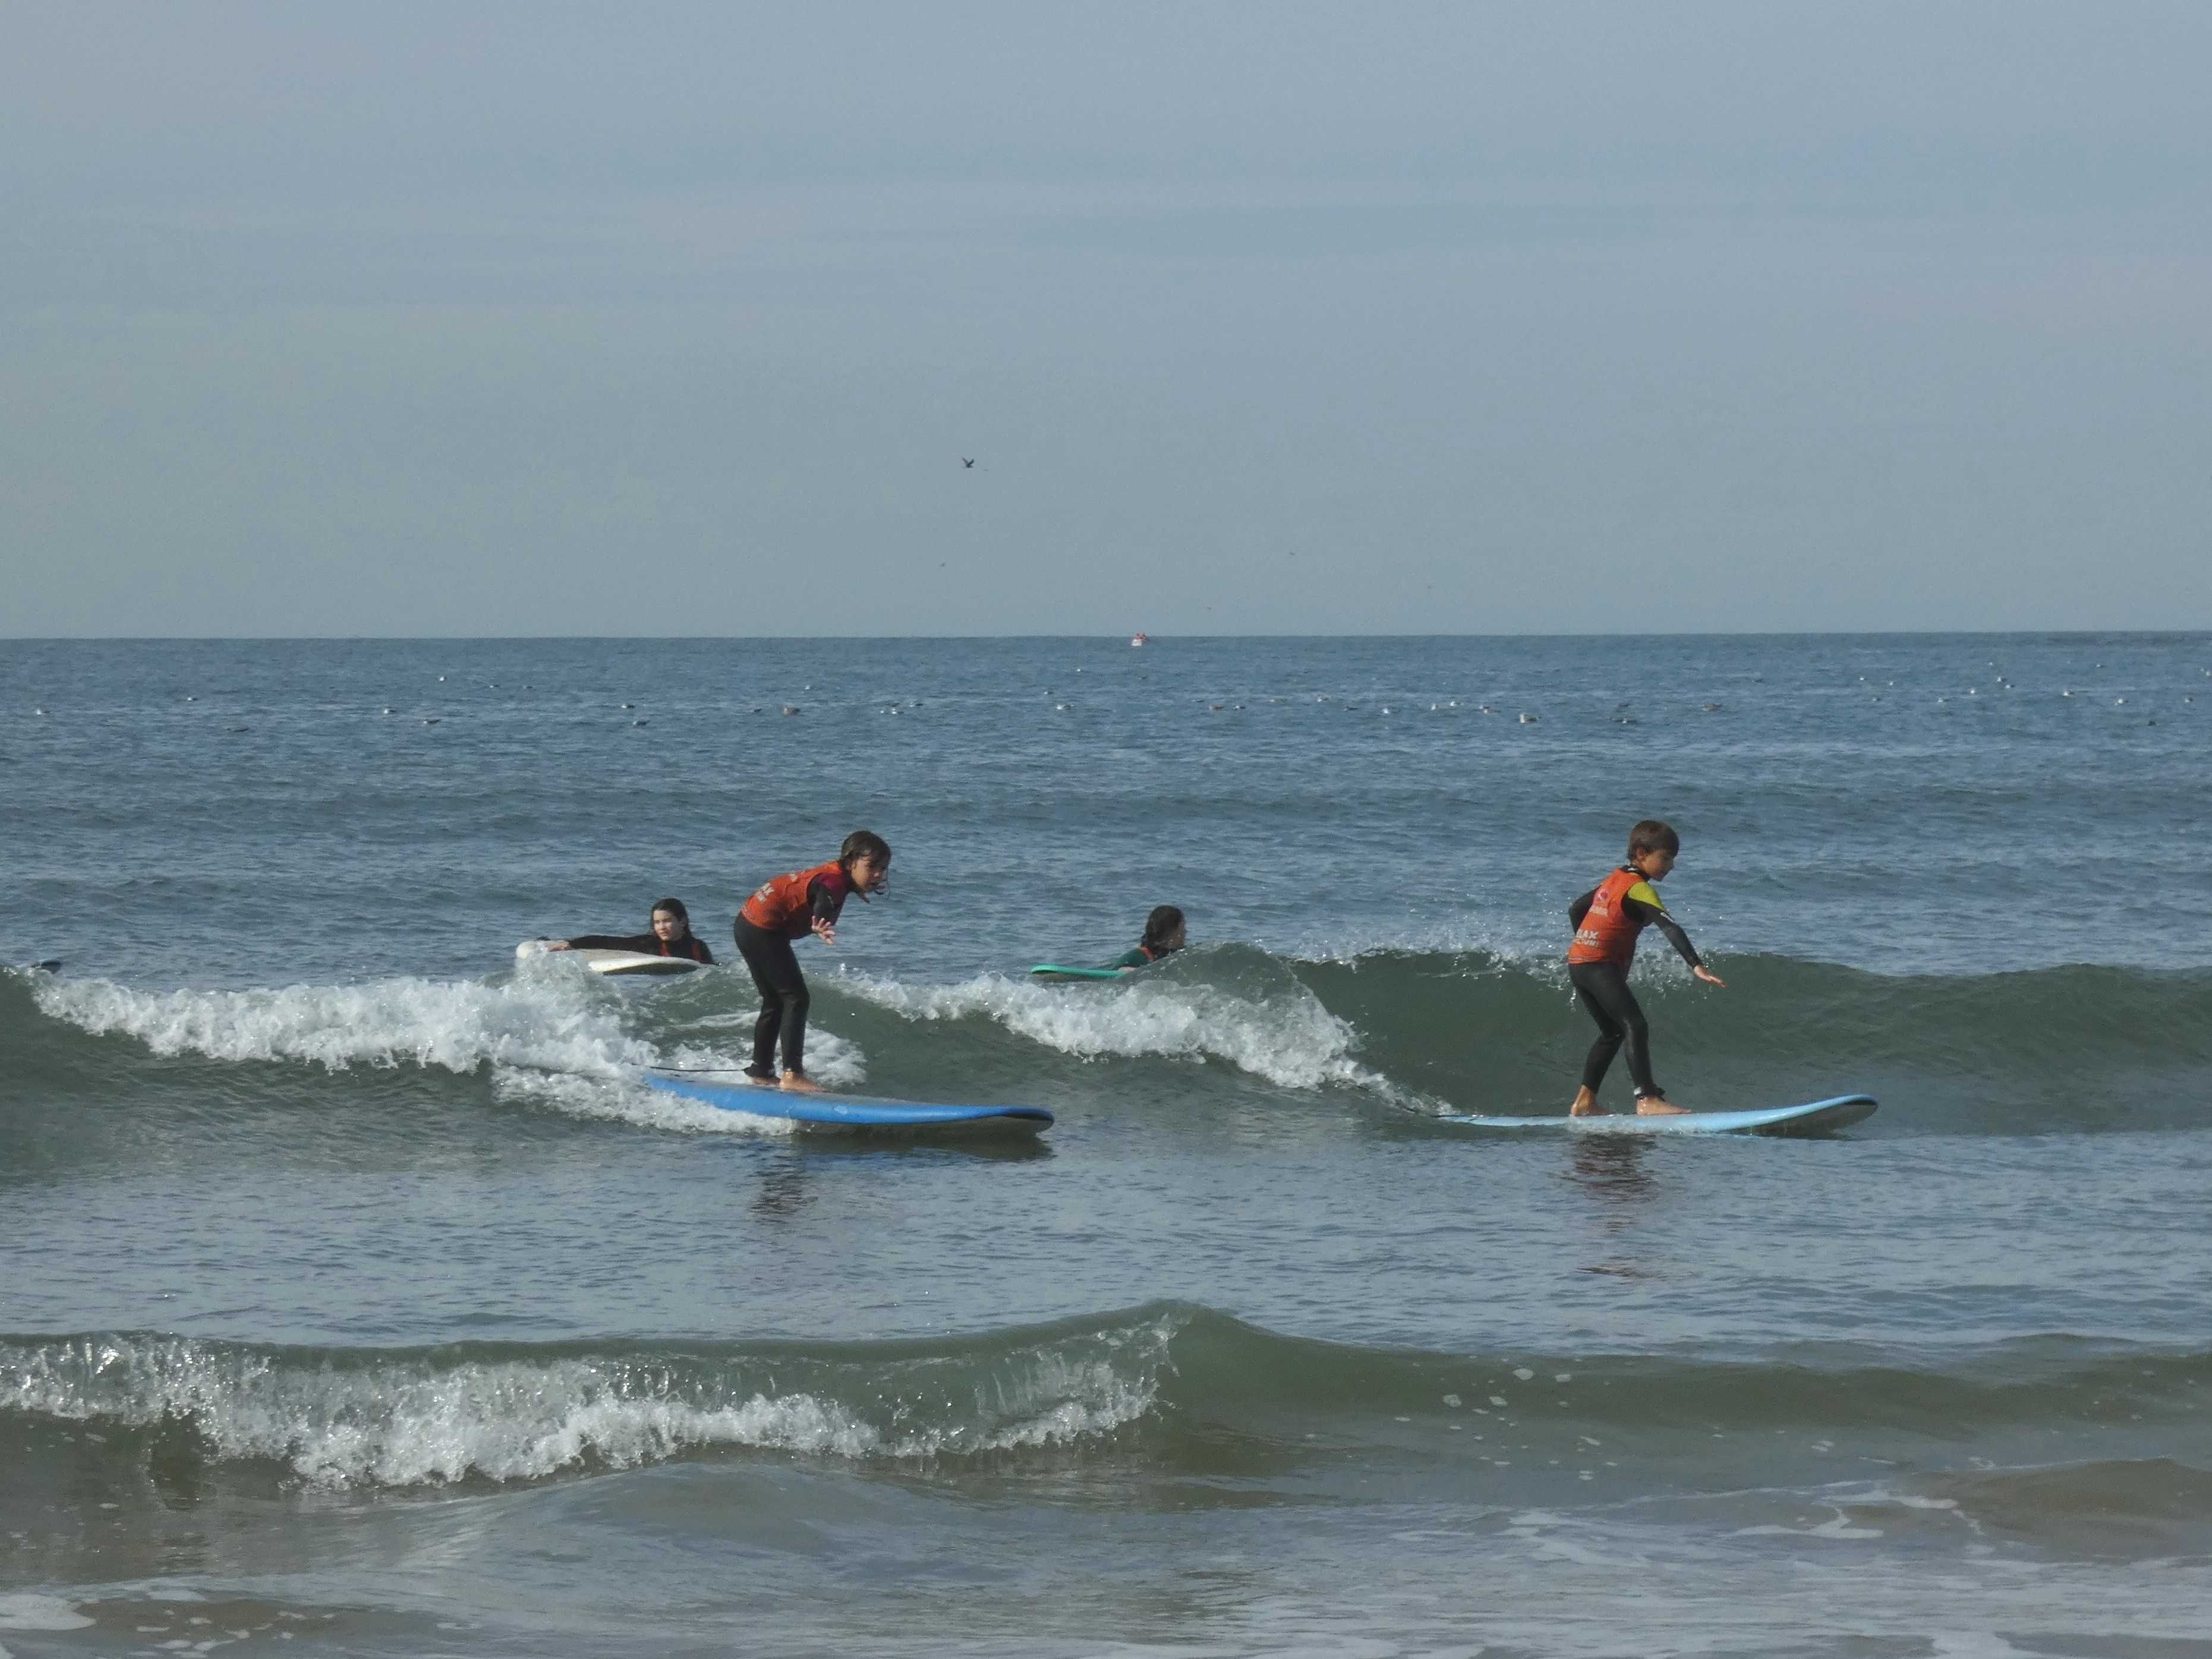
[1140, 639]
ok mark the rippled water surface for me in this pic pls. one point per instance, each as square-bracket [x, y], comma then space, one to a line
[356, 1297]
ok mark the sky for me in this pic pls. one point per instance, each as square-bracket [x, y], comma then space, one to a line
[453, 319]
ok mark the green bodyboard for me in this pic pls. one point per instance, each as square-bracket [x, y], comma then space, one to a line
[1053, 970]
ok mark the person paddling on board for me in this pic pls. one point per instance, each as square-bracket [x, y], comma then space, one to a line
[671, 936]
[1606, 920]
[1163, 937]
[789, 908]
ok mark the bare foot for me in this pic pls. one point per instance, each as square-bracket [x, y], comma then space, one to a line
[1653, 1106]
[799, 1084]
[760, 1080]
[1586, 1105]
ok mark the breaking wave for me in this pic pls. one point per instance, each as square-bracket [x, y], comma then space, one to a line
[481, 1412]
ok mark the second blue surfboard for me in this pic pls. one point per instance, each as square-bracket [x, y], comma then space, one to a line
[1817, 1117]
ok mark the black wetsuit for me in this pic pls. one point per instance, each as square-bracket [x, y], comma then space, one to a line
[784, 997]
[1603, 987]
[647, 944]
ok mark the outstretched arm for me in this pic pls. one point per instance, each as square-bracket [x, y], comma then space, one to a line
[1652, 911]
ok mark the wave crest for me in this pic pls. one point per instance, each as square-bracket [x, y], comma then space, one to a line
[1282, 1034]
[457, 1026]
[439, 1416]
[554, 1036]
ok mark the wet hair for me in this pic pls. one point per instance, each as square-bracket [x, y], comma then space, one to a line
[1160, 925]
[675, 908]
[865, 844]
[1653, 835]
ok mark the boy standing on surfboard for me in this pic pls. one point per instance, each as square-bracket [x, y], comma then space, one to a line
[1606, 920]
[788, 908]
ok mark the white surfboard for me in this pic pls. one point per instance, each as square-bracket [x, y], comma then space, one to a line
[1818, 1117]
[614, 961]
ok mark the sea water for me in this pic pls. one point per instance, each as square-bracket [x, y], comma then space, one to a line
[355, 1298]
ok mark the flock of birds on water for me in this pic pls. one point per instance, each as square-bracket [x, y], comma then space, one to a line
[1621, 714]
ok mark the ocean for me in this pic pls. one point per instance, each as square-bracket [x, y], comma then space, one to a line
[356, 1299]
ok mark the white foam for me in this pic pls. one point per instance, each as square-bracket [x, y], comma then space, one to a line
[1838, 1526]
[1531, 947]
[552, 1035]
[25, 1611]
[1289, 1038]
[629, 1101]
[406, 1422]
[831, 1059]
[550, 1021]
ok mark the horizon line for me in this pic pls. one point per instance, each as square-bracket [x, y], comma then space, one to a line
[848, 639]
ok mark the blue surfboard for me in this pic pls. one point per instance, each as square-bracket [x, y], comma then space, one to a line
[855, 1111]
[1818, 1117]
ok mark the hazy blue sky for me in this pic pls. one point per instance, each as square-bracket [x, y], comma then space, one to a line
[439, 319]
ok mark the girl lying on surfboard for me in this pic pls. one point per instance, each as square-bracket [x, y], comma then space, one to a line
[1163, 937]
[788, 908]
[1606, 920]
[671, 936]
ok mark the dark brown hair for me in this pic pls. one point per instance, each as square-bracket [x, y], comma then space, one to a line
[1653, 835]
[1160, 925]
[675, 908]
[865, 844]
